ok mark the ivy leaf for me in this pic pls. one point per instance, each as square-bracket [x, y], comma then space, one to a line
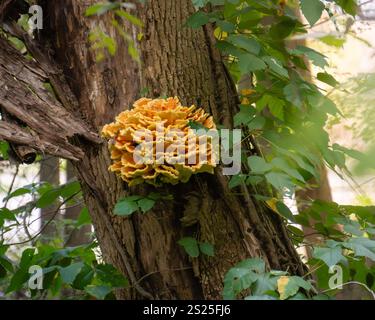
[99, 292]
[207, 248]
[146, 204]
[236, 180]
[289, 286]
[125, 207]
[331, 256]
[69, 273]
[264, 284]
[190, 245]
[197, 20]
[199, 3]
[362, 247]
[312, 10]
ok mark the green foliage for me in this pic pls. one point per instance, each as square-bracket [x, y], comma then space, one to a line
[128, 205]
[4, 148]
[283, 111]
[71, 267]
[193, 247]
[312, 10]
[101, 42]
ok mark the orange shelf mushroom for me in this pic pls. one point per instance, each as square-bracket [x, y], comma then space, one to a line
[154, 143]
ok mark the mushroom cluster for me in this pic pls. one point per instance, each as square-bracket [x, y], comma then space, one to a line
[154, 142]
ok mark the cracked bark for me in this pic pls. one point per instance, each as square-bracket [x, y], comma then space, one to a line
[175, 61]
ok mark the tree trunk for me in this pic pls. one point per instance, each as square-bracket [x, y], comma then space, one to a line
[176, 61]
[49, 172]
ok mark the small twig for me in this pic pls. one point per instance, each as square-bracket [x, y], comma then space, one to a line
[11, 185]
[161, 271]
[48, 222]
[339, 286]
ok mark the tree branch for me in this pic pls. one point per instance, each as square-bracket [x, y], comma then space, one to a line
[23, 95]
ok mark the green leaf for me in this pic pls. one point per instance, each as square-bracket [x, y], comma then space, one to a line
[276, 66]
[242, 276]
[19, 192]
[100, 8]
[245, 115]
[199, 3]
[283, 165]
[127, 16]
[83, 218]
[262, 297]
[245, 42]
[196, 125]
[279, 180]
[292, 286]
[362, 247]
[327, 78]
[27, 257]
[276, 108]
[333, 41]
[256, 123]
[350, 6]
[331, 256]
[146, 204]
[264, 284]
[69, 189]
[190, 245]
[236, 180]
[285, 211]
[69, 273]
[316, 57]
[125, 207]
[248, 62]
[207, 248]
[197, 20]
[99, 292]
[4, 148]
[312, 10]
[258, 164]
[48, 198]
[292, 94]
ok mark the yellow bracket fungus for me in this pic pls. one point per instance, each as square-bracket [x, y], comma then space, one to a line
[154, 143]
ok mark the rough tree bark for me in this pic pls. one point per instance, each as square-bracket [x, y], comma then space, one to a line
[176, 61]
